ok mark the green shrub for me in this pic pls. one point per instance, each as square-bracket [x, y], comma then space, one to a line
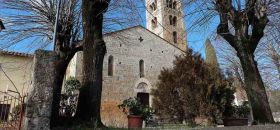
[191, 89]
[235, 111]
[69, 98]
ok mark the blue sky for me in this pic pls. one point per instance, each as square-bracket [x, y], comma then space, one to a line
[195, 38]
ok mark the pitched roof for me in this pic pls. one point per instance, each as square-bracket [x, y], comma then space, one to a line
[140, 26]
[110, 33]
[15, 53]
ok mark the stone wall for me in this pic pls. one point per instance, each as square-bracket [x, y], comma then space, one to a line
[39, 102]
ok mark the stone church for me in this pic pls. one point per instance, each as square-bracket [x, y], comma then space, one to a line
[135, 56]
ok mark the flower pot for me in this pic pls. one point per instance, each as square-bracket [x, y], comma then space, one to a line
[134, 121]
[235, 121]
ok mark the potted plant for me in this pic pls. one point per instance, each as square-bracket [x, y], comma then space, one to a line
[136, 112]
[237, 115]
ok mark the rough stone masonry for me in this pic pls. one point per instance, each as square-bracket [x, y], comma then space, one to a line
[39, 102]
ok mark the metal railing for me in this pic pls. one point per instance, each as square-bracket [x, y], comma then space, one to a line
[11, 111]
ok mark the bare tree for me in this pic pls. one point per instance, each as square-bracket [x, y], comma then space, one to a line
[33, 21]
[268, 57]
[266, 54]
[242, 24]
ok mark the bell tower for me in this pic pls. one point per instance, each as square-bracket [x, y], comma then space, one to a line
[166, 19]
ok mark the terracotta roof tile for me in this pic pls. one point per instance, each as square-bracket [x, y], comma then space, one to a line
[16, 53]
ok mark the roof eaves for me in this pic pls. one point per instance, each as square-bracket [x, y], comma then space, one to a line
[16, 53]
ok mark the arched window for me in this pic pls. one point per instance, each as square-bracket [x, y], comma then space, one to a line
[170, 3]
[174, 21]
[175, 37]
[141, 68]
[174, 6]
[170, 19]
[154, 22]
[167, 3]
[153, 6]
[110, 66]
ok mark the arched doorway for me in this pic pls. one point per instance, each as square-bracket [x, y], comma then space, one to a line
[144, 98]
[143, 93]
[142, 90]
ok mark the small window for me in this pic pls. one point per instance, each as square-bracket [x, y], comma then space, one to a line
[174, 21]
[153, 6]
[154, 22]
[170, 3]
[175, 37]
[110, 65]
[174, 5]
[141, 67]
[170, 19]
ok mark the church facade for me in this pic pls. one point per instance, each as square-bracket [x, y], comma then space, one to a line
[136, 56]
[134, 59]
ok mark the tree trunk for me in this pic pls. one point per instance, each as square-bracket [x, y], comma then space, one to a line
[94, 50]
[255, 88]
[97, 90]
[60, 67]
[84, 109]
[90, 94]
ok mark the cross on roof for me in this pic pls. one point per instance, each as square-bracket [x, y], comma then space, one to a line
[140, 39]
